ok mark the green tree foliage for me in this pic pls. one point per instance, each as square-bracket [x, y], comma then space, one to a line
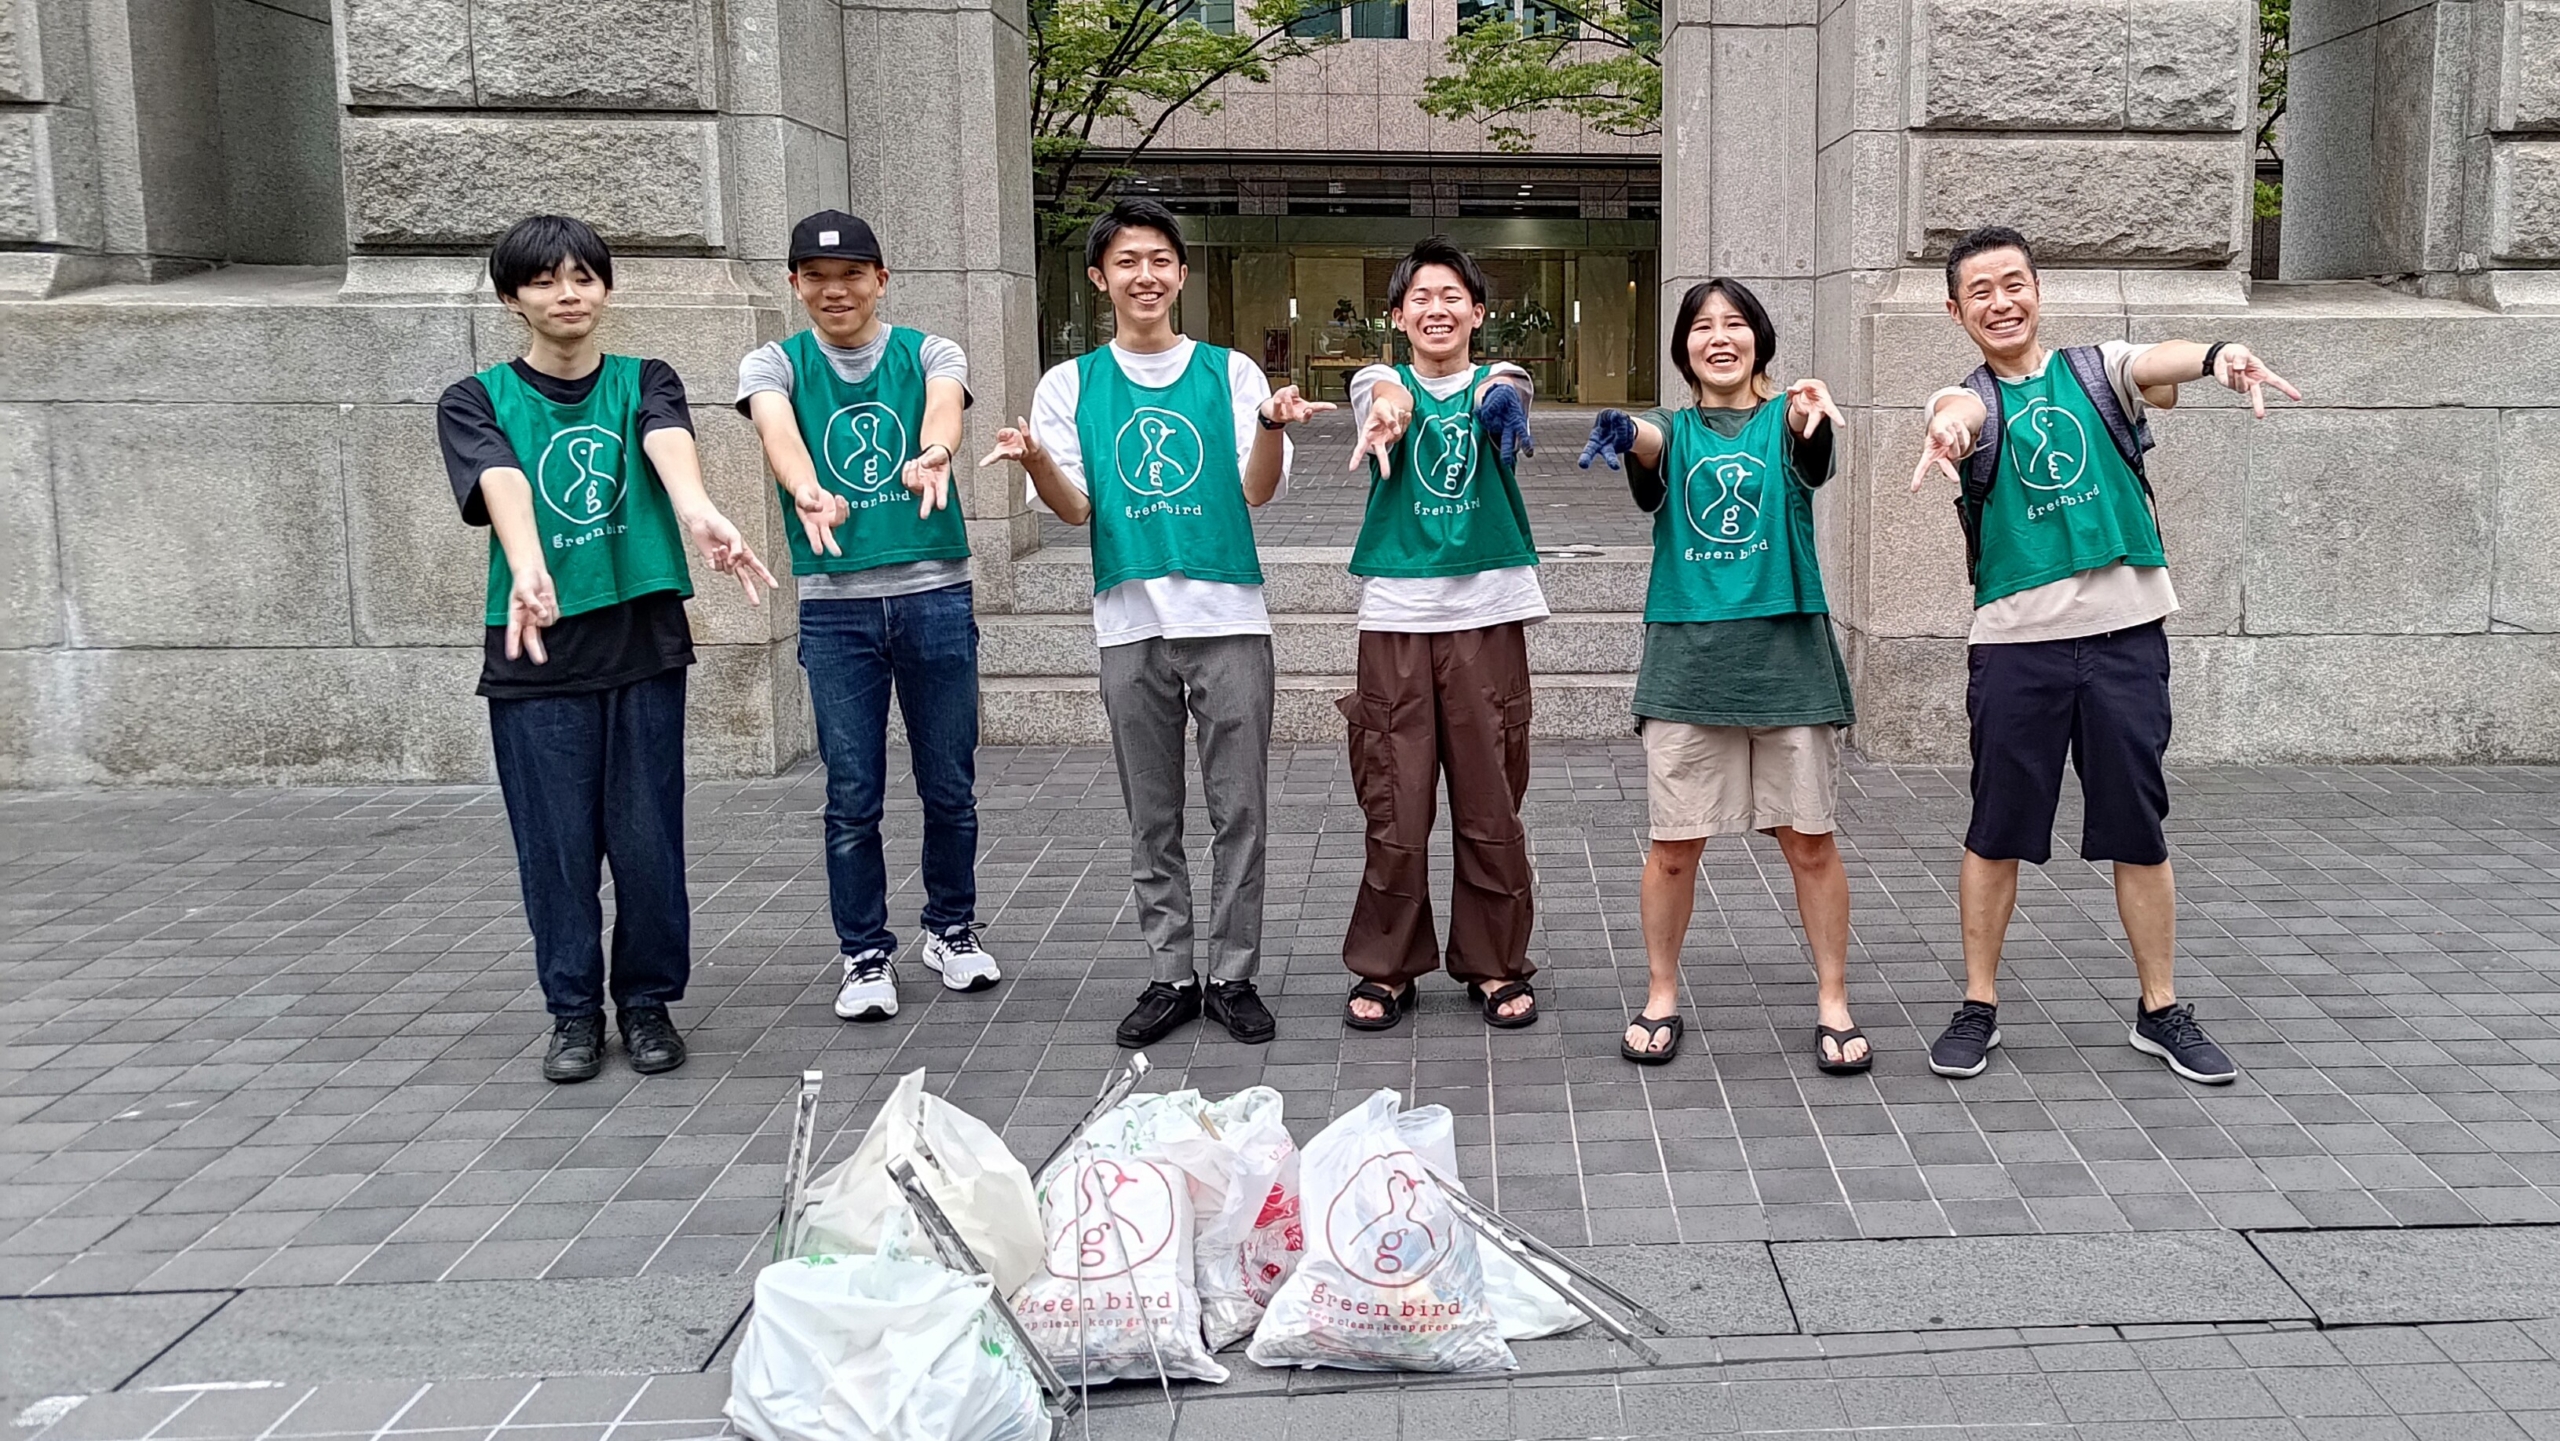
[1597, 60]
[1143, 62]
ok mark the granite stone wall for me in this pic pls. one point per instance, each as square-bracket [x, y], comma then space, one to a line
[241, 558]
[2364, 576]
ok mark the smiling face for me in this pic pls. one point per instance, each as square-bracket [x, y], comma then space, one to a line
[1996, 302]
[1143, 275]
[563, 303]
[1438, 315]
[842, 296]
[1723, 354]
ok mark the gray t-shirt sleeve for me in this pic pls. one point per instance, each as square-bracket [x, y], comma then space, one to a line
[765, 368]
[945, 360]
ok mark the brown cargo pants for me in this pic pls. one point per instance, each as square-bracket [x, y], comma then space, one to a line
[1456, 702]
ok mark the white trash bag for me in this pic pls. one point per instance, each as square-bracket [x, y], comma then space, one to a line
[1244, 1186]
[865, 1347]
[1116, 1299]
[1391, 1279]
[975, 1180]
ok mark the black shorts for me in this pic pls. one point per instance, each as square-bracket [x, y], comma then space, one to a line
[2105, 698]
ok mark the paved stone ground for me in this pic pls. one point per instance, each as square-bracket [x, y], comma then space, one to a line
[270, 1111]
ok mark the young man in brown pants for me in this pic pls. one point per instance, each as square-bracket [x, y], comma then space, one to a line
[1448, 579]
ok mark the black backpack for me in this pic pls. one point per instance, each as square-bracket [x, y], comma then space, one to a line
[2089, 367]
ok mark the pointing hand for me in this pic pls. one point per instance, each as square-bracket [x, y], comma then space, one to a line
[1613, 434]
[1504, 414]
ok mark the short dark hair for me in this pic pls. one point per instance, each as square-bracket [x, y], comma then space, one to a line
[540, 242]
[1133, 215]
[1435, 250]
[1764, 332]
[1981, 241]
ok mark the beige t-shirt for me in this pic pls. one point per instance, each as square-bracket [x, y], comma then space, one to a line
[2093, 602]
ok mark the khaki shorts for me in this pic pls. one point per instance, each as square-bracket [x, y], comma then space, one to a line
[1720, 780]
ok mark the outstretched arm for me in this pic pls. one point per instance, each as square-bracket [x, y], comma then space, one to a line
[819, 509]
[1383, 425]
[2162, 368]
[1954, 422]
[928, 476]
[678, 462]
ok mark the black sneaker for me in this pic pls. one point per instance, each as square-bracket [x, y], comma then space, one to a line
[1235, 1005]
[1964, 1048]
[577, 1049]
[1161, 1007]
[2171, 1033]
[650, 1039]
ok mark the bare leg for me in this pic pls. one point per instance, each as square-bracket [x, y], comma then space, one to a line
[2147, 903]
[1985, 896]
[1670, 894]
[1822, 903]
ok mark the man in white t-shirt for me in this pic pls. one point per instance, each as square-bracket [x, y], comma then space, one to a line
[1162, 444]
[2068, 655]
[1448, 579]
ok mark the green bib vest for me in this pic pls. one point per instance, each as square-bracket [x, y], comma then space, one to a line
[2064, 500]
[608, 531]
[860, 437]
[1733, 538]
[1160, 466]
[1449, 507]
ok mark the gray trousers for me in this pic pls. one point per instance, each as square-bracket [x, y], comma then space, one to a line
[1151, 689]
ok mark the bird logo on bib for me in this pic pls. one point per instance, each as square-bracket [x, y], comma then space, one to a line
[1444, 455]
[1159, 452]
[2052, 448]
[866, 445]
[1723, 504]
[580, 474]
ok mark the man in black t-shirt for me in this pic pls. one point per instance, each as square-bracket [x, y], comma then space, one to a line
[583, 465]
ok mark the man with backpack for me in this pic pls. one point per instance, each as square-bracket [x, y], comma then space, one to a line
[2068, 654]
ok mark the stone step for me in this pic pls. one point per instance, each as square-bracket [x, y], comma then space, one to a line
[1067, 710]
[1314, 580]
[1575, 643]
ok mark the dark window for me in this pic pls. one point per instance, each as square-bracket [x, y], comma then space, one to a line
[1318, 19]
[1536, 17]
[1378, 19]
[1218, 15]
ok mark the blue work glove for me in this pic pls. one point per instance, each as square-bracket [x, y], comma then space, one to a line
[1613, 434]
[1505, 416]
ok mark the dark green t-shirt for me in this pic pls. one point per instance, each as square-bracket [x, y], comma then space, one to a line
[1780, 670]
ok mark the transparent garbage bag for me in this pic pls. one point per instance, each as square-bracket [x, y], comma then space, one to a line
[971, 1175]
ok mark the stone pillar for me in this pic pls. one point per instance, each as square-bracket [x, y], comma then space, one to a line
[1737, 157]
[49, 221]
[940, 97]
[687, 137]
[2426, 143]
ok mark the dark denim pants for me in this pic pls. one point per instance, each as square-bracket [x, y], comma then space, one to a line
[854, 651]
[592, 780]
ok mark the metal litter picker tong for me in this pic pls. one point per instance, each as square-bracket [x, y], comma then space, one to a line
[1542, 1261]
[956, 1254]
[1114, 1090]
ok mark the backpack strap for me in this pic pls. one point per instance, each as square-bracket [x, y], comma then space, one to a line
[1981, 467]
[2132, 437]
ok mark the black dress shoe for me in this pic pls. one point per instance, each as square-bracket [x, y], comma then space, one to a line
[1235, 1005]
[650, 1039]
[577, 1049]
[1161, 1007]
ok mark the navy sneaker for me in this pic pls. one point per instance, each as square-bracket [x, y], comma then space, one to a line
[2171, 1033]
[1964, 1048]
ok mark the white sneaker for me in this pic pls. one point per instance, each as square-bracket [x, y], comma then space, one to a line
[963, 964]
[870, 990]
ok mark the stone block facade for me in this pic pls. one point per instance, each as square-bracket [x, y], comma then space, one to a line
[2360, 574]
[243, 562]
[238, 263]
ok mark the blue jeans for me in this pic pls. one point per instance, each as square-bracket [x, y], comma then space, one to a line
[854, 650]
[593, 780]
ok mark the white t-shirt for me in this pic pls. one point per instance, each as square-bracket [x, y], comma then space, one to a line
[2093, 602]
[1432, 604]
[1173, 606]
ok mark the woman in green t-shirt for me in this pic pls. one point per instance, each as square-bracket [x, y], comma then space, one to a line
[1742, 695]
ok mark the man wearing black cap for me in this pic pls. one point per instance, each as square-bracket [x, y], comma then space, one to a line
[858, 420]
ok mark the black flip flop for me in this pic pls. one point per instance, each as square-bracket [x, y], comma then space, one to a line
[1840, 1041]
[1494, 1000]
[1654, 1026]
[1391, 1005]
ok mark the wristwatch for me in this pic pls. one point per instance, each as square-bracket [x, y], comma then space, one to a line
[2210, 353]
[1267, 422]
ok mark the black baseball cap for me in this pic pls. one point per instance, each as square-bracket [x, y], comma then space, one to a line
[834, 235]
